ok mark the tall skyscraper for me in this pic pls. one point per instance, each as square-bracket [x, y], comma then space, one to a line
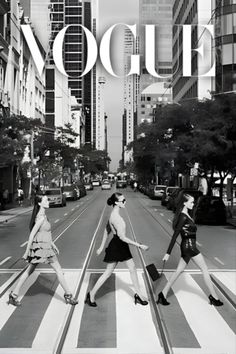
[225, 35]
[158, 13]
[130, 95]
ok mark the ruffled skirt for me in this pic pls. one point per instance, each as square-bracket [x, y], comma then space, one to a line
[42, 250]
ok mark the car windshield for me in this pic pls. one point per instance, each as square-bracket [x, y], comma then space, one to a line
[68, 188]
[106, 182]
[53, 191]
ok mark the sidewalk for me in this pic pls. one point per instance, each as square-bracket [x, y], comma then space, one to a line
[13, 210]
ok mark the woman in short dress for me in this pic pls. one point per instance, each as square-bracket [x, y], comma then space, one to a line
[117, 251]
[41, 249]
[184, 224]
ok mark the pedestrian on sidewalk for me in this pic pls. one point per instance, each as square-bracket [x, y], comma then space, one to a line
[184, 224]
[117, 251]
[20, 196]
[41, 250]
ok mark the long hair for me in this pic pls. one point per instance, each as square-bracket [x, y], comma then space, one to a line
[113, 199]
[180, 206]
[37, 200]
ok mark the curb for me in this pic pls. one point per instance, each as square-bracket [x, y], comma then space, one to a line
[3, 220]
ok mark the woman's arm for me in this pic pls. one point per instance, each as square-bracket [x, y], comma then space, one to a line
[121, 233]
[107, 231]
[31, 236]
[180, 224]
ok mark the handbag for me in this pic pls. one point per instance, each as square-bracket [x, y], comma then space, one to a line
[153, 272]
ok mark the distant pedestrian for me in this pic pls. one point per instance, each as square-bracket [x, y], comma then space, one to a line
[20, 196]
[184, 224]
[41, 249]
[135, 186]
[117, 251]
[5, 196]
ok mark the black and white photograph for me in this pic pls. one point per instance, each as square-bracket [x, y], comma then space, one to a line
[117, 176]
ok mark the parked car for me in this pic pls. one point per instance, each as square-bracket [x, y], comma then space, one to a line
[158, 191]
[210, 210]
[106, 184]
[55, 196]
[71, 192]
[88, 186]
[121, 183]
[80, 185]
[96, 183]
[178, 198]
[166, 195]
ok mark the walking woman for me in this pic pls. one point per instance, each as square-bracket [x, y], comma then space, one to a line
[41, 249]
[117, 251]
[184, 224]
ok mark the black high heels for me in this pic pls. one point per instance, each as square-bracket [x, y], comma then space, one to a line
[70, 300]
[138, 300]
[162, 300]
[13, 299]
[215, 302]
[89, 302]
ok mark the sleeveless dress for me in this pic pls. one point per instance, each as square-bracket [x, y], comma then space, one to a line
[117, 250]
[42, 250]
[187, 228]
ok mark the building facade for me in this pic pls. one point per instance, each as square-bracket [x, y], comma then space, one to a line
[195, 13]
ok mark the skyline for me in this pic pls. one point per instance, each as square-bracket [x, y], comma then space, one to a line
[111, 12]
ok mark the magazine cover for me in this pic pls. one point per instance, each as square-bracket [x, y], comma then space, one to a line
[117, 176]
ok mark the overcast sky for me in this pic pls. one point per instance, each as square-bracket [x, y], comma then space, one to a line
[111, 12]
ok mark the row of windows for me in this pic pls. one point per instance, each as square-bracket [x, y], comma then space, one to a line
[73, 20]
[182, 12]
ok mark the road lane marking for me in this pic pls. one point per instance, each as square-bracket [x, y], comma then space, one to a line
[169, 220]
[219, 261]
[23, 244]
[155, 209]
[56, 221]
[161, 214]
[65, 214]
[5, 260]
[73, 209]
[199, 244]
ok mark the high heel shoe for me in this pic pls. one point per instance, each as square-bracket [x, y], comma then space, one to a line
[89, 302]
[70, 300]
[13, 299]
[162, 300]
[215, 302]
[138, 300]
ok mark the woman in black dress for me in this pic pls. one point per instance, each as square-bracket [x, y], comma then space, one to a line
[183, 224]
[117, 250]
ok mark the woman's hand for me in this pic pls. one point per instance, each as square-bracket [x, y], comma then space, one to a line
[166, 257]
[143, 247]
[55, 248]
[99, 251]
[25, 255]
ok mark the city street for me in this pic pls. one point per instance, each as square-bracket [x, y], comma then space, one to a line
[45, 324]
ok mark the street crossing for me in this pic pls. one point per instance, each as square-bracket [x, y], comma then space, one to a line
[117, 325]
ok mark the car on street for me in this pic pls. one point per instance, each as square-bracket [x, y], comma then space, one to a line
[71, 192]
[81, 187]
[166, 195]
[210, 210]
[120, 183]
[106, 185]
[96, 183]
[157, 191]
[88, 186]
[55, 197]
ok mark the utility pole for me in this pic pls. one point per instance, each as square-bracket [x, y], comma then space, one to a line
[32, 163]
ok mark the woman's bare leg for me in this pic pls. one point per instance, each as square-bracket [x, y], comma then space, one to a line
[180, 268]
[60, 276]
[200, 262]
[134, 277]
[109, 270]
[30, 269]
